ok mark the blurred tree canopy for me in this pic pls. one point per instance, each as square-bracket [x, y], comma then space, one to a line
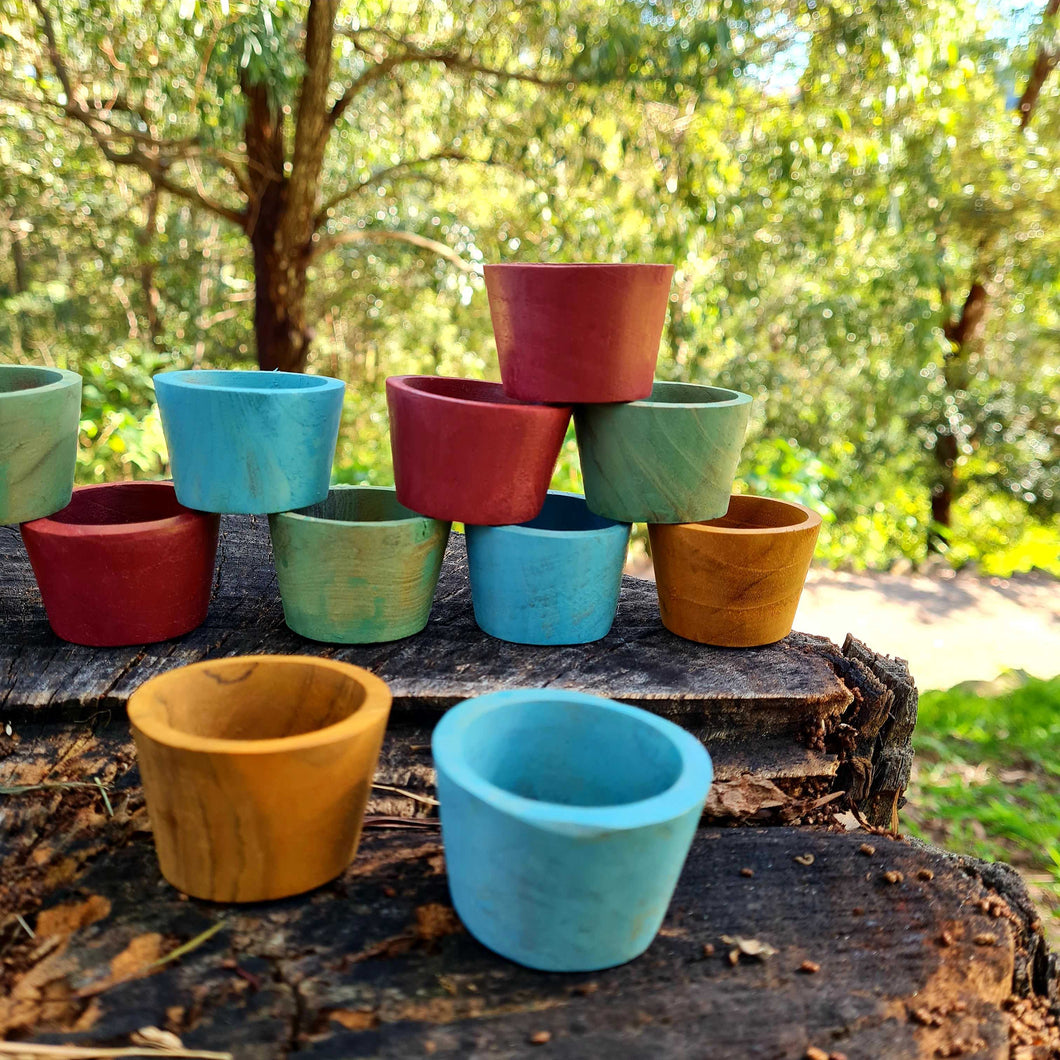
[861, 200]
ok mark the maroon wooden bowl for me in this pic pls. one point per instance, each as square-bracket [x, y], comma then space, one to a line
[123, 563]
[578, 334]
[465, 452]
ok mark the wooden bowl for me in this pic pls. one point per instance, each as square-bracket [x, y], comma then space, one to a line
[552, 580]
[670, 458]
[123, 563]
[566, 820]
[357, 568]
[574, 334]
[465, 452]
[40, 412]
[735, 582]
[256, 770]
[249, 442]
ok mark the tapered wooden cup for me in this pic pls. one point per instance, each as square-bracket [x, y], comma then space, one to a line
[735, 582]
[257, 770]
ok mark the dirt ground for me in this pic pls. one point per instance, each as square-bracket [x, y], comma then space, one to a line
[950, 627]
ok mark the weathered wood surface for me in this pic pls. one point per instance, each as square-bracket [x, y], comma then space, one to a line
[918, 952]
[802, 714]
[945, 958]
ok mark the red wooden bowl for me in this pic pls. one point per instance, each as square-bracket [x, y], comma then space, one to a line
[123, 563]
[578, 334]
[465, 452]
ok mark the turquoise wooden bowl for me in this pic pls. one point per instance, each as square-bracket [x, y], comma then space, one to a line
[249, 442]
[552, 580]
[566, 820]
[40, 412]
[670, 458]
[357, 568]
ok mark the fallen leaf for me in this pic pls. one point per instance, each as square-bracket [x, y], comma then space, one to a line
[749, 947]
[743, 797]
[157, 1037]
[66, 919]
[354, 1019]
[435, 921]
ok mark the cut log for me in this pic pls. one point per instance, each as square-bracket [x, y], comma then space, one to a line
[802, 714]
[781, 942]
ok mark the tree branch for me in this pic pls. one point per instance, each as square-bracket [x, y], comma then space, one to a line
[312, 127]
[408, 52]
[383, 174]
[1044, 63]
[146, 157]
[322, 244]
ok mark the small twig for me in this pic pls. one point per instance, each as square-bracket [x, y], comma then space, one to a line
[427, 800]
[47, 785]
[427, 823]
[192, 944]
[77, 1052]
[25, 927]
[173, 955]
[106, 797]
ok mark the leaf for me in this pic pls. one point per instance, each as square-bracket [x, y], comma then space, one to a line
[743, 797]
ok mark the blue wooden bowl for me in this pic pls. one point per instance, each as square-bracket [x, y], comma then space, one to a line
[249, 442]
[552, 580]
[566, 819]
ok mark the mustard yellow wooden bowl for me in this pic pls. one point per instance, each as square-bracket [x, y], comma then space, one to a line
[256, 770]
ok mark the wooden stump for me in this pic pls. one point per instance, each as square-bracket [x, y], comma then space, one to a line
[780, 939]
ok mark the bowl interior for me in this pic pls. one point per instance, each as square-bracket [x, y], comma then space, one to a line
[359, 505]
[460, 389]
[243, 699]
[14, 378]
[664, 393]
[118, 503]
[234, 379]
[566, 514]
[756, 513]
[571, 754]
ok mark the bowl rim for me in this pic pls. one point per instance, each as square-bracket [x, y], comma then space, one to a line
[625, 266]
[295, 515]
[49, 526]
[736, 398]
[145, 717]
[401, 384]
[689, 789]
[616, 529]
[66, 379]
[811, 520]
[178, 377]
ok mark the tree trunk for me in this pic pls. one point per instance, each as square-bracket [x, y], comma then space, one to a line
[962, 333]
[280, 326]
[145, 239]
[282, 216]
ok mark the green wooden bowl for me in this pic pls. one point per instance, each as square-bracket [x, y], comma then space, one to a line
[670, 458]
[358, 567]
[40, 410]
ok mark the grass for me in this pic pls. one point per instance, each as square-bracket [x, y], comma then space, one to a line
[986, 780]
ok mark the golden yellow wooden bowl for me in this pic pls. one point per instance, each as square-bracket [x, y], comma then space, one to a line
[256, 770]
[735, 582]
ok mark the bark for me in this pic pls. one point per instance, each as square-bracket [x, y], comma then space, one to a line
[148, 289]
[283, 211]
[18, 260]
[962, 332]
[1044, 63]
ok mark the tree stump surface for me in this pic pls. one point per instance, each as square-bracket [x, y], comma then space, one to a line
[798, 930]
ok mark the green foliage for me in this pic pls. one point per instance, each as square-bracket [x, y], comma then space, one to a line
[987, 778]
[826, 180]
